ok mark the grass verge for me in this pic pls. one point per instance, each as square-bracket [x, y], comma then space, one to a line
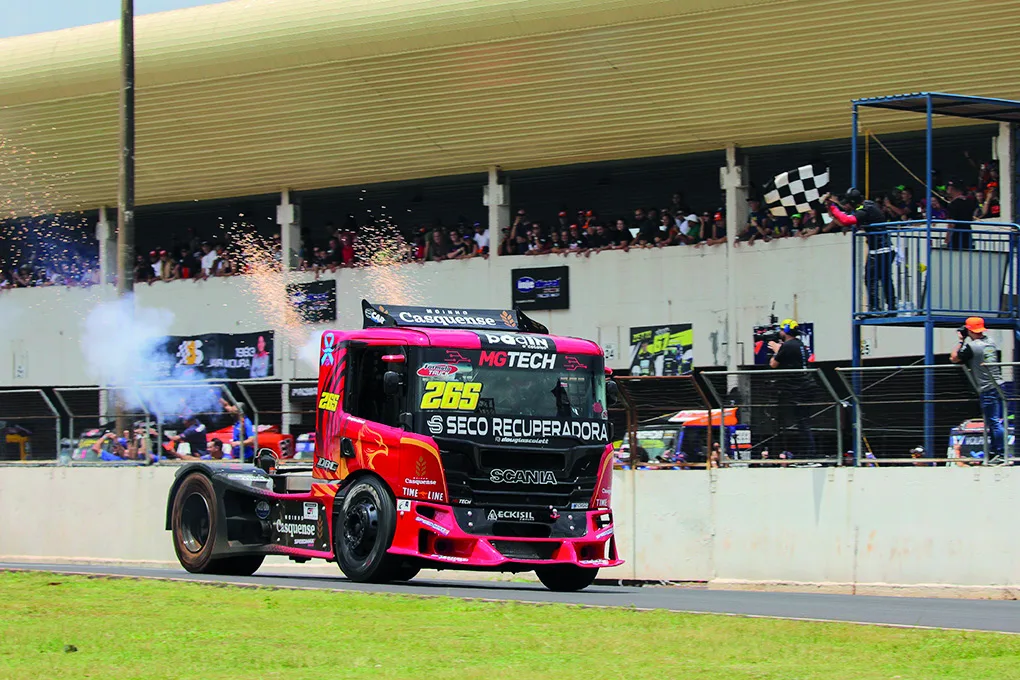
[124, 628]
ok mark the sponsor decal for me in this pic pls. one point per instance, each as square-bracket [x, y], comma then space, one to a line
[514, 515]
[457, 396]
[329, 401]
[594, 563]
[516, 340]
[455, 357]
[533, 360]
[311, 511]
[304, 541]
[262, 510]
[326, 464]
[578, 506]
[447, 558]
[572, 363]
[608, 531]
[302, 392]
[403, 505]
[500, 476]
[250, 479]
[435, 526]
[518, 430]
[445, 317]
[419, 479]
[526, 284]
[329, 346]
[436, 370]
[436, 496]
[294, 528]
[374, 316]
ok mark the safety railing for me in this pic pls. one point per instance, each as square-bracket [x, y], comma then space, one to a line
[144, 410]
[289, 405]
[891, 410]
[29, 426]
[958, 268]
[786, 417]
[652, 404]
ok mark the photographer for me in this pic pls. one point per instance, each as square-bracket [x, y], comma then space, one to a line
[978, 353]
[881, 254]
[791, 354]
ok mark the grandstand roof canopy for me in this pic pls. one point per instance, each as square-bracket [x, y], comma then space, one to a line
[962, 106]
[251, 96]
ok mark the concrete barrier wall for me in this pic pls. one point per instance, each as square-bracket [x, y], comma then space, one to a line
[904, 527]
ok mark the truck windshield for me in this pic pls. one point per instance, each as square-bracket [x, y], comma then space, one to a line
[514, 397]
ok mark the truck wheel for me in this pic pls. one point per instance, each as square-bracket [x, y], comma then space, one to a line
[565, 578]
[363, 532]
[194, 522]
[239, 565]
[404, 572]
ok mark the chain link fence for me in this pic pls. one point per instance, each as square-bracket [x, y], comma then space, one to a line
[898, 407]
[788, 417]
[29, 426]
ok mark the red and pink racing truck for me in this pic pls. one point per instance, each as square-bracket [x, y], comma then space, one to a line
[466, 439]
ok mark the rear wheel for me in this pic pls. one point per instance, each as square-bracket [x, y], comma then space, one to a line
[564, 578]
[194, 523]
[363, 531]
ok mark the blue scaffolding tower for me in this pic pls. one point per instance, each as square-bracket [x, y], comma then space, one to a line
[945, 271]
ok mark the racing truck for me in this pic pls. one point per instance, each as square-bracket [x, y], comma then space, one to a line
[445, 438]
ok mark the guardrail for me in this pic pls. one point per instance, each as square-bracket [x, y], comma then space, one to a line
[952, 266]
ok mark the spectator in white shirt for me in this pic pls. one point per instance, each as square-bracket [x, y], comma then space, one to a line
[482, 238]
[208, 259]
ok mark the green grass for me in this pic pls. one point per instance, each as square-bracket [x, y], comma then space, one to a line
[127, 628]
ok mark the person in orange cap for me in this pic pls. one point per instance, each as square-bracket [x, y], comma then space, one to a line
[981, 355]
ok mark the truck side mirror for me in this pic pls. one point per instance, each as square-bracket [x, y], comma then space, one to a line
[392, 383]
[612, 393]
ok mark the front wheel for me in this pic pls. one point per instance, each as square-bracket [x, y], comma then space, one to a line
[566, 578]
[363, 531]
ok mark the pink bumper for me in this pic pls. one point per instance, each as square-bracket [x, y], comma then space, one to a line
[429, 531]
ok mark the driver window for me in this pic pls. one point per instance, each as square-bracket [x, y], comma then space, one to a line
[366, 397]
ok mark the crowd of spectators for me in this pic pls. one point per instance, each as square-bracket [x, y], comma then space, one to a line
[585, 232]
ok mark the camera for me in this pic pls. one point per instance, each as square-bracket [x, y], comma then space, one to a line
[962, 330]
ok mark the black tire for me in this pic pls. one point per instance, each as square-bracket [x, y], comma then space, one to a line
[194, 522]
[363, 532]
[239, 565]
[566, 578]
[404, 572]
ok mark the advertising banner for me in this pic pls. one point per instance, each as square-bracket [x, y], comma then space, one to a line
[540, 288]
[315, 301]
[765, 334]
[232, 356]
[662, 350]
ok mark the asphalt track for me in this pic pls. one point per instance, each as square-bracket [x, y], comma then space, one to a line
[985, 615]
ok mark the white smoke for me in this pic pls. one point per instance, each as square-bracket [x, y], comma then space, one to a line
[126, 347]
[309, 351]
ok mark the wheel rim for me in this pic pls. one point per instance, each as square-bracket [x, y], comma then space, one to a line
[361, 527]
[195, 520]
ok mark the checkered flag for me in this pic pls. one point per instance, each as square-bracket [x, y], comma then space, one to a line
[796, 191]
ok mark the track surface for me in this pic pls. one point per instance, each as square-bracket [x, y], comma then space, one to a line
[988, 615]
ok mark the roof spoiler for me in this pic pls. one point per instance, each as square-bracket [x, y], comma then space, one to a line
[396, 316]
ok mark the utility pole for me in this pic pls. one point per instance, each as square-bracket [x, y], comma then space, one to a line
[126, 176]
[126, 189]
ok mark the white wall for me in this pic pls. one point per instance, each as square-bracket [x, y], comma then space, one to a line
[610, 292]
[906, 527]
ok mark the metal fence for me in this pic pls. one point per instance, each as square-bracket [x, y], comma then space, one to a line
[795, 416]
[964, 266]
[891, 409]
[646, 401]
[29, 426]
